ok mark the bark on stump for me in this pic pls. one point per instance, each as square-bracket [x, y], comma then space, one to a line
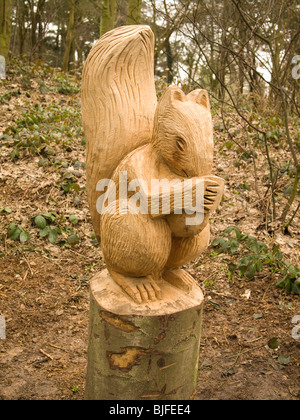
[142, 352]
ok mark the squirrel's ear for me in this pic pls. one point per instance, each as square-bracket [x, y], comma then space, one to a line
[201, 97]
[176, 94]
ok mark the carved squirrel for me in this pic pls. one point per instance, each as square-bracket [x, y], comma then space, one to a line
[128, 132]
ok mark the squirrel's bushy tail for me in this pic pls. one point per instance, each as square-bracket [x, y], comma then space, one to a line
[118, 103]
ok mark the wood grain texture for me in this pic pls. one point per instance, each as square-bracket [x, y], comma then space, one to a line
[118, 103]
[128, 132]
[148, 352]
[146, 312]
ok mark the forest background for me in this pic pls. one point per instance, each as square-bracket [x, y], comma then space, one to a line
[246, 53]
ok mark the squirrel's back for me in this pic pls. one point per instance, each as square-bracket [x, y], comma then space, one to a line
[118, 103]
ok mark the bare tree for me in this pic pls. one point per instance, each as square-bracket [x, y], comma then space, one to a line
[5, 26]
[70, 32]
[108, 16]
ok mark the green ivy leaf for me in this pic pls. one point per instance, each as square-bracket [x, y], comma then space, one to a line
[258, 266]
[73, 219]
[284, 359]
[273, 343]
[24, 237]
[44, 232]
[73, 240]
[41, 222]
[52, 236]
[49, 216]
[55, 229]
[234, 247]
[6, 210]
[250, 272]
[15, 233]
[296, 288]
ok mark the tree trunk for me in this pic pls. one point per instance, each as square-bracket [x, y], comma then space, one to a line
[36, 28]
[168, 47]
[33, 31]
[223, 58]
[70, 34]
[212, 53]
[154, 29]
[170, 62]
[142, 352]
[5, 26]
[108, 17]
[40, 29]
[22, 30]
[274, 96]
[134, 14]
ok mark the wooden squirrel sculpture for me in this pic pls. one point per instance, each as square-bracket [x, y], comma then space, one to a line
[129, 133]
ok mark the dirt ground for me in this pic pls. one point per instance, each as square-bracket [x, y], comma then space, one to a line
[44, 287]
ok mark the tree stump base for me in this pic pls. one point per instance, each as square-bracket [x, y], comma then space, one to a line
[143, 352]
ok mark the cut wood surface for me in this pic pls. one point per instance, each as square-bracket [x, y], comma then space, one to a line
[143, 352]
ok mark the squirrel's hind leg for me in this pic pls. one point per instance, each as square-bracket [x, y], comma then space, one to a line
[180, 279]
[141, 290]
[136, 249]
[183, 251]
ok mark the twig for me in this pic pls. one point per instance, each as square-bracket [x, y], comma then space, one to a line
[263, 298]
[229, 134]
[254, 340]
[241, 353]
[52, 260]
[238, 355]
[293, 217]
[58, 348]
[47, 355]
[292, 196]
[38, 362]
[25, 277]
[225, 336]
[273, 184]
[27, 262]
[254, 164]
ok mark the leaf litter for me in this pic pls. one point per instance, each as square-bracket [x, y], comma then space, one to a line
[44, 279]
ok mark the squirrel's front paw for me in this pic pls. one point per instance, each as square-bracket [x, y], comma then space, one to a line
[213, 192]
[141, 290]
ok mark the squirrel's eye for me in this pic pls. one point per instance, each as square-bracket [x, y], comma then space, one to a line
[181, 144]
